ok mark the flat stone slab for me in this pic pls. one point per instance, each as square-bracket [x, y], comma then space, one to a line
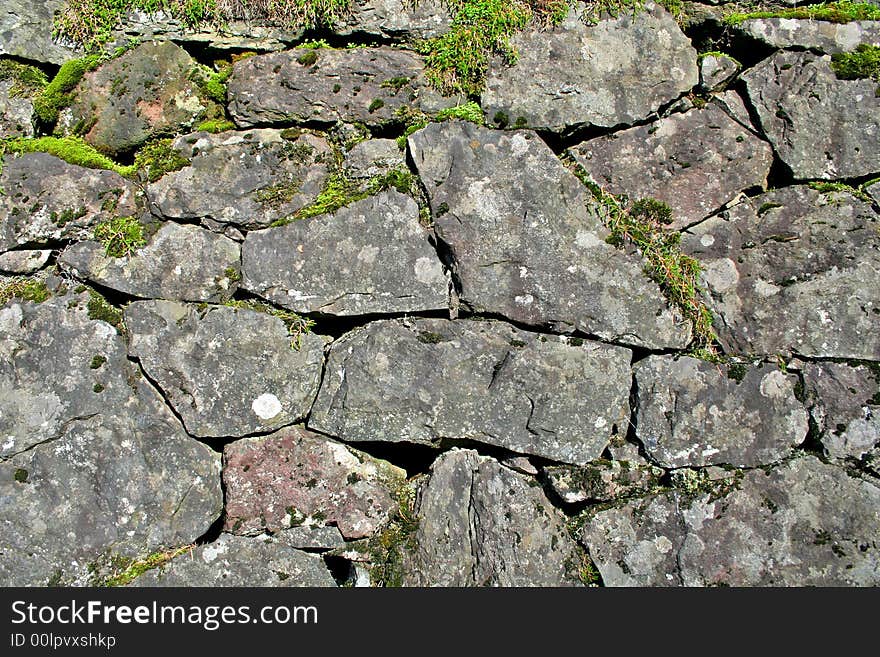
[296, 478]
[609, 74]
[226, 371]
[693, 413]
[823, 36]
[323, 85]
[695, 162]
[422, 381]
[396, 19]
[26, 31]
[526, 242]
[246, 179]
[382, 261]
[373, 157]
[24, 262]
[794, 270]
[179, 262]
[47, 200]
[821, 127]
[240, 561]
[480, 524]
[802, 523]
[88, 451]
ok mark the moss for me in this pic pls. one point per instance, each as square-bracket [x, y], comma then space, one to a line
[25, 289]
[98, 388]
[97, 362]
[737, 371]
[308, 58]
[232, 273]
[766, 207]
[124, 570]
[501, 119]
[215, 125]
[429, 337]
[26, 79]
[862, 63]
[98, 309]
[376, 105]
[57, 94]
[214, 85]
[470, 111]
[844, 11]
[840, 188]
[274, 196]
[157, 158]
[388, 548]
[396, 84]
[121, 236]
[72, 150]
[20, 475]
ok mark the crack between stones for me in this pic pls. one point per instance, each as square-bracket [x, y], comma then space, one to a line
[58, 436]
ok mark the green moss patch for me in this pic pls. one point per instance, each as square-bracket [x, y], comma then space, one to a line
[860, 64]
[25, 289]
[26, 80]
[121, 236]
[215, 125]
[117, 570]
[832, 12]
[99, 309]
[72, 150]
[157, 158]
[57, 93]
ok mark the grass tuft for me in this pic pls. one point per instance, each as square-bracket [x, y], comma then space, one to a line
[25, 289]
[121, 236]
[843, 11]
[157, 158]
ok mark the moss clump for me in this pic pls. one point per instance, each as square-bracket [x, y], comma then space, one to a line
[123, 570]
[57, 93]
[72, 150]
[214, 85]
[308, 58]
[26, 79]
[415, 119]
[20, 475]
[157, 158]
[396, 84]
[470, 111]
[843, 11]
[97, 362]
[25, 289]
[121, 236]
[376, 105]
[840, 188]
[388, 548]
[98, 309]
[860, 64]
[215, 125]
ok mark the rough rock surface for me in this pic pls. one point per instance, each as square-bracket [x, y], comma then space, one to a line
[373, 157]
[821, 127]
[26, 31]
[396, 19]
[88, 450]
[24, 262]
[325, 85]
[845, 406]
[295, 477]
[480, 524]
[716, 70]
[803, 523]
[604, 75]
[147, 92]
[602, 480]
[823, 36]
[695, 162]
[794, 270]
[873, 190]
[16, 113]
[47, 199]
[692, 413]
[424, 380]
[226, 371]
[181, 263]
[381, 262]
[240, 561]
[526, 242]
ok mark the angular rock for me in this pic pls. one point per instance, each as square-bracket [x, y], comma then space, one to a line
[821, 127]
[480, 524]
[803, 523]
[716, 70]
[325, 85]
[24, 262]
[181, 263]
[26, 31]
[606, 75]
[240, 561]
[306, 537]
[691, 413]
[695, 162]
[246, 179]
[526, 241]
[873, 190]
[46, 199]
[426, 380]
[16, 113]
[396, 19]
[602, 480]
[373, 157]
[226, 371]
[297, 478]
[733, 105]
[144, 93]
[845, 407]
[381, 262]
[794, 270]
[822, 36]
[92, 463]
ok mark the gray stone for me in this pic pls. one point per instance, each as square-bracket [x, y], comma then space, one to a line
[26, 31]
[526, 240]
[609, 74]
[873, 190]
[733, 105]
[480, 524]
[16, 113]
[47, 199]
[692, 413]
[716, 71]
[396, 19]
[602, 480]
[696, 162]
[823, 36]
[247, 179]
[324, 537]
[146, 92]
[793, 271]
[325, 85]
[92, 463]
[845, 407]
[381, 261]
[373, 157]
[803, 523]
[181, 263]
[821, 127]
[226, 371]
[240, 561]
[24, 262]
[422, 381]
[296, 478]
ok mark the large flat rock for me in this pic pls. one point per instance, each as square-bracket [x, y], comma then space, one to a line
[821, 127]
[422, 381]
[382, 261]
[794, 270]
[226, 371]
[801, 34]
[526, 241]
[616, 72]
[93, 464]
[695, 162]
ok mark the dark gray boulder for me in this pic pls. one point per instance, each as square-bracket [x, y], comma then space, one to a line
[424, 380]
[526, 241]
[226, 371]
[381, 261]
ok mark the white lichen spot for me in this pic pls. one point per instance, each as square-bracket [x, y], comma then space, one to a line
[519, 145]
[266, 406]
[775, 385]
[212, 551]
[587, 239]
[663, 544]
[368, 254]
[765, 289]
[524, 299]
[600, 423]
[428, 271]
[707, 240]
